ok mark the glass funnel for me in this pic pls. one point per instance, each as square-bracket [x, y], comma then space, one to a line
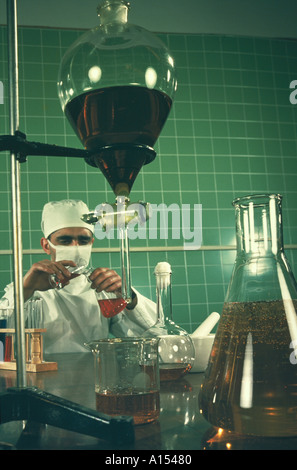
[116, 85]
[119, 216]
[250, 382]
[176, 350]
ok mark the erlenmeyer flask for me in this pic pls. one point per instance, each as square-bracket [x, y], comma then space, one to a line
[250, 382]
[116, 85]
[176, 349]
[110, 306]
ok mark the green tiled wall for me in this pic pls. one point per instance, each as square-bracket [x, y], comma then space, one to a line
[232, 131]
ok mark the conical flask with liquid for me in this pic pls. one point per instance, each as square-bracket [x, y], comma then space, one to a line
[176, 349]
[116, 84]
[250, 382]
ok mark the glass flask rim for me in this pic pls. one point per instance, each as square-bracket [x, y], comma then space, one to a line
[106, 3]
[265, 197]
[92, 345]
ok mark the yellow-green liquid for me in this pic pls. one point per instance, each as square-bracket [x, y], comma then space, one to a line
[250, 385]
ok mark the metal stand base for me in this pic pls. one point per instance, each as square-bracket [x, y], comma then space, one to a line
[32, 404]
[25, 403]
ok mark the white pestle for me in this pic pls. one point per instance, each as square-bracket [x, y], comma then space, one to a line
[205, 328]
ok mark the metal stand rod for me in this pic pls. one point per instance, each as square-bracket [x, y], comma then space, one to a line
[22, 402]
[15, 193]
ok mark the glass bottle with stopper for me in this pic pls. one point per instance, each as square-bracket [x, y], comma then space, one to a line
[176, 349]
[116, 86]
[250, 382]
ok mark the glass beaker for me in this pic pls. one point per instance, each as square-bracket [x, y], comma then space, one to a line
[250, 382]
[127, 377]
[176, 349]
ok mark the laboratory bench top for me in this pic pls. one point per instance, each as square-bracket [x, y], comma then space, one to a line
[180, 428]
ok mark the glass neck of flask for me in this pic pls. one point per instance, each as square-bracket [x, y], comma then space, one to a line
[164, 297]
[124, 248]
[259, 225]
[113, 12]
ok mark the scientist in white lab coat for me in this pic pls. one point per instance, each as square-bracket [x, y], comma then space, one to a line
[72, 315]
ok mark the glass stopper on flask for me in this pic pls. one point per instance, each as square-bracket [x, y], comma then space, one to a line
[176, 350]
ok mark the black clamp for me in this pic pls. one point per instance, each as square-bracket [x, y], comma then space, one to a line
[19, 145]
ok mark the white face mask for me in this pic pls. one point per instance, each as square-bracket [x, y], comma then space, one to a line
[80, 254]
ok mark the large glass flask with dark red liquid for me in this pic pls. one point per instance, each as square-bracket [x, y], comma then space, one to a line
[250, 383]
[116, 85]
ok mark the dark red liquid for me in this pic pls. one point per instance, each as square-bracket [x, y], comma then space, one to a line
[111, 307]
[8, 348]
[143, 406]
[119, 115]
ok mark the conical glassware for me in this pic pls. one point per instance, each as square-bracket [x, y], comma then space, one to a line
[250, 383]
[116, 85]
[109, 306]
[176, 349]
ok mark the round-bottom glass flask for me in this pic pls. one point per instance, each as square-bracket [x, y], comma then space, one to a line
[250, 382]
[116, 86]
[176, 349]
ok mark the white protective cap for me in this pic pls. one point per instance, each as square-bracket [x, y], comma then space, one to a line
[163, 268]
[163, 272]
[63, 214]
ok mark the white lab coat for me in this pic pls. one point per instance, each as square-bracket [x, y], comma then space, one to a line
[72, 316]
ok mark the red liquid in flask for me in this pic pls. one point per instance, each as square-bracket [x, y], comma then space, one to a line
[118, 114]
[8, 348]
[111, 307]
